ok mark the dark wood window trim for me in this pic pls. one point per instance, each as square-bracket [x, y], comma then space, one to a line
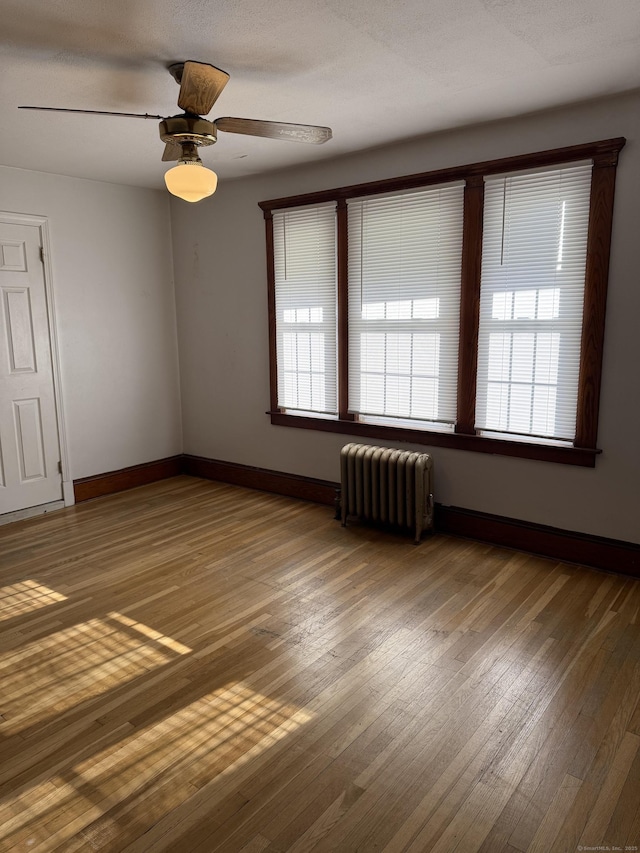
[595, 302]
[273, 350]
[604, 155]
[470, 304]
[343, 311]
[480, 444]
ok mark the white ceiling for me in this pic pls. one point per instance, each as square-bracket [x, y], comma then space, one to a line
[373, 70]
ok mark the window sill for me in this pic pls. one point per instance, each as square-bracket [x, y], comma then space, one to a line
[581, 456]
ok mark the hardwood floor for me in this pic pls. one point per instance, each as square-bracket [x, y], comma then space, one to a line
[196, 667]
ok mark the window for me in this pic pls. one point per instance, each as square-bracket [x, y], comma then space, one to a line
[531, 298]
[304, 243]
[461, 308]
[404, 305]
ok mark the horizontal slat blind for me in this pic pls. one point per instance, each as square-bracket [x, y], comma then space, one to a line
[532, 295]
[404, 304]
[304, 246]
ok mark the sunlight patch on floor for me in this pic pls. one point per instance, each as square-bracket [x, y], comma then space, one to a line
[48, 676]
[24, 597]
[163, 763]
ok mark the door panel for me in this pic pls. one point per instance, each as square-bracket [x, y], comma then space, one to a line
[19, 330]
[13, 256]
[29, 445]
[29, 441]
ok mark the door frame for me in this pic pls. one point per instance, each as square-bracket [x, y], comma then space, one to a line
[42, 224]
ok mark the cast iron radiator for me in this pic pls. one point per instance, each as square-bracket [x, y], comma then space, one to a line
[387, 486]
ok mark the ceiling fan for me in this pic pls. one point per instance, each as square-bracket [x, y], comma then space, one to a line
[200, 87]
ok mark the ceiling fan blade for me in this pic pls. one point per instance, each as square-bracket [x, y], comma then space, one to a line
[200, 87]
[171, 152]
[91, 112]
[275, 129]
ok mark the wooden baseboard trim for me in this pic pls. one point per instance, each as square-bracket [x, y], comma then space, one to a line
[126, 478]
[612, 555]
[567, 546]
[595, 551]
[291, 485]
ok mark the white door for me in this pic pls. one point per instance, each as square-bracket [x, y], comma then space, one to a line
[29, 446]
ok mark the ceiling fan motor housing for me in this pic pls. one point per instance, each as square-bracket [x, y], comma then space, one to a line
[187, 128]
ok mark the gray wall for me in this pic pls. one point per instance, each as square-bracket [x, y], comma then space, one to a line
[221, 294]
[115, 315]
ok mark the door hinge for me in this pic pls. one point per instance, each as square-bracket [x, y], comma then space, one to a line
[42, 253]
[59, 466]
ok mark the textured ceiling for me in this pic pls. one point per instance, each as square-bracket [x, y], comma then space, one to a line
[374, 70]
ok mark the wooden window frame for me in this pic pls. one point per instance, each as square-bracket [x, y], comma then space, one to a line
[604, 155]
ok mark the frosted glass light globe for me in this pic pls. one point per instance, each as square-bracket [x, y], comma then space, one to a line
[191, 181]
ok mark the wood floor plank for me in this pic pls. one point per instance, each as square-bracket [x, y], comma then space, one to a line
[192, 666]
[626, 807]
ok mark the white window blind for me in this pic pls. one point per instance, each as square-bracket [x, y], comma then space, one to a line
[405, 254]
[532, 295]
[304, 246]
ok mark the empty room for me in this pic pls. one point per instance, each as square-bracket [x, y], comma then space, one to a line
[319, 406]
